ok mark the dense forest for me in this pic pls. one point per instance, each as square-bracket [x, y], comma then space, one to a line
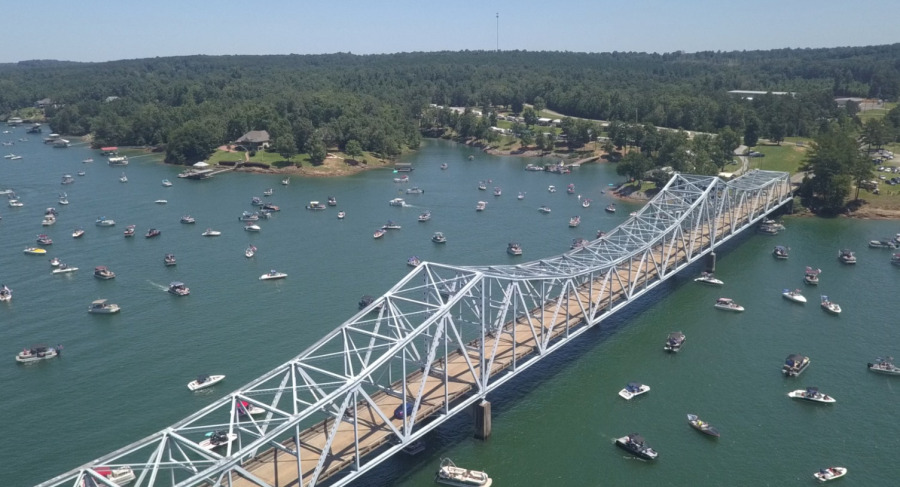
[378, 103]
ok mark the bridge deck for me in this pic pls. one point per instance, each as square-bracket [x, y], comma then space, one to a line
[559, 318]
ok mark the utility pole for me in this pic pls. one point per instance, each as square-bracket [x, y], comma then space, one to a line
[498, 31]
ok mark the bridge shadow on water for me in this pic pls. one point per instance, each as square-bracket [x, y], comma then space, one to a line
[459, 429]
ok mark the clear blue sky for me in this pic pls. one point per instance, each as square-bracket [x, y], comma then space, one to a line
[103, 30]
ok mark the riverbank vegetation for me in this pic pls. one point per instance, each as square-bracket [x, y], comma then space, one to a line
[651, 112]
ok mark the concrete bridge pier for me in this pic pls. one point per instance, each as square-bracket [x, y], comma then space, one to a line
[482, 412]
[711, 262]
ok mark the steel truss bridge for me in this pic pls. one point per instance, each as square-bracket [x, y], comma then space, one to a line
[436, 343]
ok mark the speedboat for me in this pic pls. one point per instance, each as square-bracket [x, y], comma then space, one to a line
[81, 173]
[203, 381]
[118, 476]
[521, 196]
[794, 296]
[209, 232]
[574, 221]
[482, 186]
[443, 165]
[767, 229]
[104, 222]
[248, 216]
[402, 179]
[794, 365]
[674, 341]
[379, 233]
[578, 243]
[101, 307]
[14, 203]
[123, 179]
[632, 390]
[610, 208]
[64, 269]
[78, 233]
[332, 201]
[397, 202]
[812, 276]
[895, 259]
[44, 239]
[67, 179]
[188, 219]
[830, 306]
[635, 444]
[37, 352]
[480, 206]
[256, 201]
[251, 227]
[129, 231]
[250, 252]
[102, 272]
[570, 188]
[780, 252]
[35, 251]
[415, 190]
[728, 304]
[272, 274]
[424, 217]
[708, 278]
[544, 209]
[884, 366]
[811, 394]
[5, 294]
[846, 256]
[551, 189]
[315, 205]
[161, 202]
[88, 160]
[341, 215]
[882, 244]
[152, 233]
[514, 249]
[497, 191]
[55, 262]
[169, 259]
[166, 183]
[413, 261]
[391, 225]
[702, 426]
[178, 289]
[450, 474]
[286, 181]
[244, 409]
[48, 220]
[438, 237]
[63, 199]
[830, 473]
[217, 438]
[585, 203]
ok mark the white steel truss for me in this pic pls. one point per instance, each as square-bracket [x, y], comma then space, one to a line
[437, 342]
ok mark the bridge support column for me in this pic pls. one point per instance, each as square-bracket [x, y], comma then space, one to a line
[711, 262]
[482, 412]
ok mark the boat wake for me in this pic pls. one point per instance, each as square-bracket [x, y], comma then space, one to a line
[159, 286]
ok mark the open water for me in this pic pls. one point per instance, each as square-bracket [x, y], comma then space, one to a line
[123, 377]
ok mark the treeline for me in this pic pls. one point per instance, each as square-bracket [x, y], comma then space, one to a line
[189, 105]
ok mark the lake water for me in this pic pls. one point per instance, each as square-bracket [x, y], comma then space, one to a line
[123, 377]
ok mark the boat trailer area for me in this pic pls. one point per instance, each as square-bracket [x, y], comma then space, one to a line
[436, 345]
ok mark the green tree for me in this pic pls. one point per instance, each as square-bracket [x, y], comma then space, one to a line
[317, 150]
[539, 103]
[834, 162]
[875, 133]
[285, 146]
[751, 131]
[353, 149]
[530, 116]
[634, 166]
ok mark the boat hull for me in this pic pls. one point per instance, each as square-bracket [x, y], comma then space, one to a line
[625, 394]
[211, 381]
[646, 453]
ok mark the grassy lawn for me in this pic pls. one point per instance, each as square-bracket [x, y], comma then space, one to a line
[785, 157]
[261, 157]
[875, 114]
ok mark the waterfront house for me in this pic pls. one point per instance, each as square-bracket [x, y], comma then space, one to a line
[254, 140]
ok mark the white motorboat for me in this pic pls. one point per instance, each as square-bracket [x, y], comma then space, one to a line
[812, 276]
[14, 203]
[37, 353]
[250, 252]
[482, 186]
[397, 202]
[5, 294]
[794, 365]
[780, 252]
[103, 272]
[551, 189]
[830, 473]
[178, 289]
[497, 191]
[794, 296]
[244, 408]
[35, 251]
[166, 183]
[884, 366]
[341, 215]
[438, 237]
[830, 306]
[586, 203]
[610, 208]
[674, 341]
[514, 249]
[574, 221]
[882, 244]
[811, 394]
[424, 217]
[161, 202]
[450, 474]
[544, 209]
[188, 219]
[104, 222]
[78, 233]
[251, 227]
[379, 233]
[272, 274]
[391, 225]
[169, 260]
[209, 232]
[63, 199]
[704, 278]
[521, 196]
[64, 269]
[129, 231]
[123, 179]
[101, 307]
[846, 256]
[217, 439]
[632, 390]
[118, 476]
[269, 192]
[48, 220]
[203, 381]
[55, 262]
[728, 304]
[480, 206]
[286, 181]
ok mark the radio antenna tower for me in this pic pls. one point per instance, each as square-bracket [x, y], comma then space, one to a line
[498, 31]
